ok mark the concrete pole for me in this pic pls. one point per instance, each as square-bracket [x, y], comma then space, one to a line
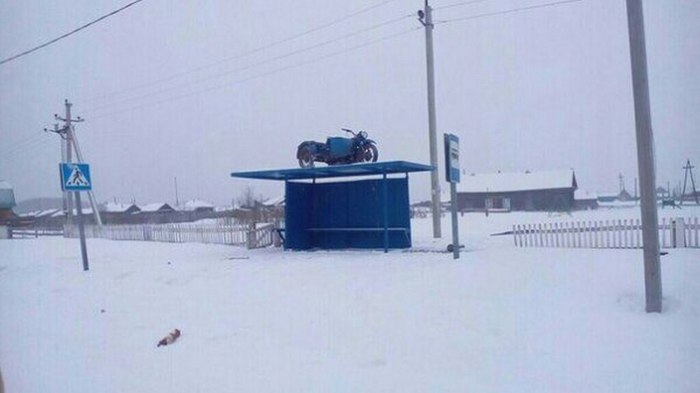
[69, 159]
[91, 195]
[81, 229]
[645, 156]
[63, 159]
[432, 122]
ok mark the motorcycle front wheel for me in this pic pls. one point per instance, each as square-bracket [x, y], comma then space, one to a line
[306, 158]
[370, 154]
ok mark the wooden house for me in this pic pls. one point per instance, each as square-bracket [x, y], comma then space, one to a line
[524, 191]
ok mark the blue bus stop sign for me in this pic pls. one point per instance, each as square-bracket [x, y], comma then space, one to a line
[75, 177]
[452, 158]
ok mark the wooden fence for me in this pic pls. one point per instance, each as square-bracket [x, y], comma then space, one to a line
[216, 233]
[34, 232]
[621, 233]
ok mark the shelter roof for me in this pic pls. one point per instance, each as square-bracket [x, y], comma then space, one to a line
[518, 181]
[374, 168]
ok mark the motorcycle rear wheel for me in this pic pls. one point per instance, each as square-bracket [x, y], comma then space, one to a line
[370, 154]
[306, 158]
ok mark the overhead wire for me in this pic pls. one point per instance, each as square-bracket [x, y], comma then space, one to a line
[262, 75]
[460, 4]
[504, 12]
[36, 48]
[252, 65]
[33, 146]
[245, 53]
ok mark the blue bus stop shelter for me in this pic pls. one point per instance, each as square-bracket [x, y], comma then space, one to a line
[371, 212]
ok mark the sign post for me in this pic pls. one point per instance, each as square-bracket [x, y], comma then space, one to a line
[452, 172]
[76, 178]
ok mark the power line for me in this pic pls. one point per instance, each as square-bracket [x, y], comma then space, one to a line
[249, 66]
[460, 4]
[69, 33]
[28, 147]
[246, 53]
[262, 75]
[510, 11]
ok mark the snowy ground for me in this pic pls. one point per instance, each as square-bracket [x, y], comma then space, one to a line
[501, 319]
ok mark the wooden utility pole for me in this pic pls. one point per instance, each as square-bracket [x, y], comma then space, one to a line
[645, 156]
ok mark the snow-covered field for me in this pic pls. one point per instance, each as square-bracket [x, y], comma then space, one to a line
[500, 319]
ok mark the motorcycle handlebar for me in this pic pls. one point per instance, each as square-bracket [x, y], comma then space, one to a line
[348, 130]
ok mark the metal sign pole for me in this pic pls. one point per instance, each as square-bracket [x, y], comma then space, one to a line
[455, 226]
[81, 228]
[452, 175]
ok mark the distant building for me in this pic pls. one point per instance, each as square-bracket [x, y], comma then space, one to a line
[118, 213]
[197, 205]
[585, 200]
[7, 201]
[624, 196]
[525, 191]
[160, 212]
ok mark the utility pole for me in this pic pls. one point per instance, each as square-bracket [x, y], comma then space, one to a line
[71, 142]
[689, 171]
[177, 199]
[645, 156]
[425, 17]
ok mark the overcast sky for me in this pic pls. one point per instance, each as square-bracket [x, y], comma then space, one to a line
[165, 91]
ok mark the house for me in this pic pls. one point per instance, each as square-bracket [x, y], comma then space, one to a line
[197, 205]
[525, 191]
[7, 201]
[624, 196]
[585, 200]
[118, 213]
[156, 213]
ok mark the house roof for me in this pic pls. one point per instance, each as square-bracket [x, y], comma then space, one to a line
[154, 207]
[583, 195]
[197, 204]
[278, 201]
[115, 207]
[518, 181]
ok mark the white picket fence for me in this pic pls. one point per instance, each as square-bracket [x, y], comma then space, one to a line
[214, 233]
[620, 233]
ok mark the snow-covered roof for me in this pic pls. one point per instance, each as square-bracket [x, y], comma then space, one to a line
[197, 204]
[278, 201]
[583, 195]
[115, 207]
[60, 213]
[4, 185]
[154, 207]
[517, 181]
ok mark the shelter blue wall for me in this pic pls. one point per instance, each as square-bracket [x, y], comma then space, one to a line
[342, 205]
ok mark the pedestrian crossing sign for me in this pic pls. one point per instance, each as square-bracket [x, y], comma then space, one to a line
[75, 177]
